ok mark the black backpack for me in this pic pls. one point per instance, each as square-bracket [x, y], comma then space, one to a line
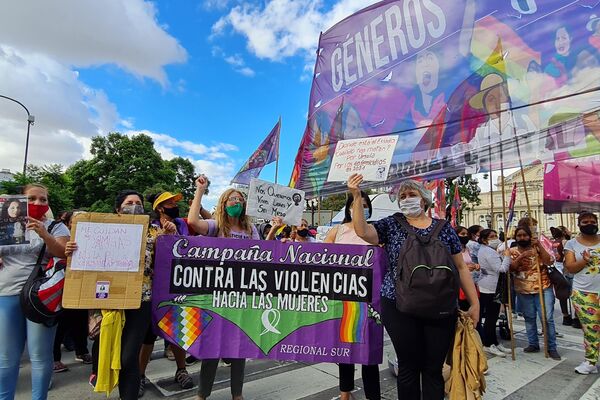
[41, 296]
[427, 280]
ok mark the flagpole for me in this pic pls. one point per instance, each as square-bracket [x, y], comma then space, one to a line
[509, 311]
[491, 185]
[277, 159]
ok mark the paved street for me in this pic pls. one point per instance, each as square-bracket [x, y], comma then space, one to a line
[531, 376]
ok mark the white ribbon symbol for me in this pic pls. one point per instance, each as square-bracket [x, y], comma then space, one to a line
[268, 323]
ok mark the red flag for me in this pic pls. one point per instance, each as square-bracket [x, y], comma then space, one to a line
[511, 207]
[456, 204]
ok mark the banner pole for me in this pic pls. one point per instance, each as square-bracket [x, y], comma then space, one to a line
[492, 186]
[277, 159]
[508, 280]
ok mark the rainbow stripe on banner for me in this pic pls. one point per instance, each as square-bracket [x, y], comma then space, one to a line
[184, 324]
[354, 317]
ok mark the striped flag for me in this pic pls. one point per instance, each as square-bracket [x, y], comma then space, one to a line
[266, 153]
[456, 204]
[511, 207]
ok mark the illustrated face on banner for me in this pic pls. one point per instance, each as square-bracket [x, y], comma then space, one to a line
[495, 98]
[427, 71]
[562, 42]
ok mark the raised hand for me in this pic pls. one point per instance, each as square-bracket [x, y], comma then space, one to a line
[201, 183]
[354, 182]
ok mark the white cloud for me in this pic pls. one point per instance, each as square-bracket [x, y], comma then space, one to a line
[216, 4]
[87, 33]
[210, 160]
[284, 28]
[38, 61]
[236, 61]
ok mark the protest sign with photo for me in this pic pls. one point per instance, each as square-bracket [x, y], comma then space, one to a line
[236, 298]
[267, 200]
[106, 271]
[370, 157]
[13, 220]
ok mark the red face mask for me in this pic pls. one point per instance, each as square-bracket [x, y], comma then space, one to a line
[37, 211]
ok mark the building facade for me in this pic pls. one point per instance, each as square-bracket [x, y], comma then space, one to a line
[489, 213]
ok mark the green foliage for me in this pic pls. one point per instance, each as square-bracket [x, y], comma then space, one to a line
[119, 162]
[334, 202]
[51, 176]
[469, 191]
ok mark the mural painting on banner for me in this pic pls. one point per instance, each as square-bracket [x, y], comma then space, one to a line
[459, 83]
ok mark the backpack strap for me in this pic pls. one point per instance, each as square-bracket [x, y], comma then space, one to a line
[435, 232]
[43, 250]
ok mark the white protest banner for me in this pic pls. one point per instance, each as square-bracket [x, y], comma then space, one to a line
[370, 157]
[267, 200]
[107, 247]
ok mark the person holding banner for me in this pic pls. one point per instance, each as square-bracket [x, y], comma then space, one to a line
[582, 258]
[421, 343]
[18, 261]
[345, 234]
[524, 258]
[167, 222]
[230, 221]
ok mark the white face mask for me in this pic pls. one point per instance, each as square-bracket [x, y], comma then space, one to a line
[494, 243]
[411, 206]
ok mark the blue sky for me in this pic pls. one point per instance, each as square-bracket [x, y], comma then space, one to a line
[206, 79]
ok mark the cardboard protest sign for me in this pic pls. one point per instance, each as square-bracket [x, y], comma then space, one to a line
[13, 220]
[106, 271]
[267, 200]
[239, 298]
[370, 157]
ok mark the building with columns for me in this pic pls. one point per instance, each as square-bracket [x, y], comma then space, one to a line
[489, 212]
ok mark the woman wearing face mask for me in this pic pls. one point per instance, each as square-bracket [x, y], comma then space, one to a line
[230, 221]
[473, 243]
[18, 262]
[491, 266]
[167, 222]
[137, 321]
[421, 344]
[527, 259]
[302, 233]
[582, 258]
[345, 234]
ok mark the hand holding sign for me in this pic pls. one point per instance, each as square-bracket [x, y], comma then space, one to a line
[370, 157]
[267, 200]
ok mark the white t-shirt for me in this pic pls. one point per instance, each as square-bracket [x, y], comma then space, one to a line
[588, 279]
[18, 260]
[491, 265]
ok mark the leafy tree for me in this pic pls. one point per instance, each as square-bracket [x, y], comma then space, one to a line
[51, 176]
[185, 175]
[468, 189]
[334, 202]
[119, 162]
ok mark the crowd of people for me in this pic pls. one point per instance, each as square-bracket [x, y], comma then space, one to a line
[420, 328]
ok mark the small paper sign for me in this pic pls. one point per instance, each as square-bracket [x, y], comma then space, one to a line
[102, 289]
[267, 200]
[370, 157]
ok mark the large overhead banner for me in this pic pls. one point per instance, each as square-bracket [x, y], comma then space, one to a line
[572, 185]
[468, 87]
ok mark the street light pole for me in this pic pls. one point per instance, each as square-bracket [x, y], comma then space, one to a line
[30, 121]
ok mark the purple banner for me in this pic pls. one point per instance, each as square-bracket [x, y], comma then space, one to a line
[233, 298]
[469, 86]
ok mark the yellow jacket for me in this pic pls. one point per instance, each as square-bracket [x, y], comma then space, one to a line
[468, 363]
[109, 352]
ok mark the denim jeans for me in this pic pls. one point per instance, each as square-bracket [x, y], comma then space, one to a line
[15, 329]
[530, 306]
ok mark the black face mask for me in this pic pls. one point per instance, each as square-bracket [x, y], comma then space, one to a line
[589, 229]
[172, 212]
[302, 232]
[524, 243]
[463, 240]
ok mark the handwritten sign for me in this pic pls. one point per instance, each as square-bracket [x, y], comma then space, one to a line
[267, 200]
[107, 247]
[370, 157]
